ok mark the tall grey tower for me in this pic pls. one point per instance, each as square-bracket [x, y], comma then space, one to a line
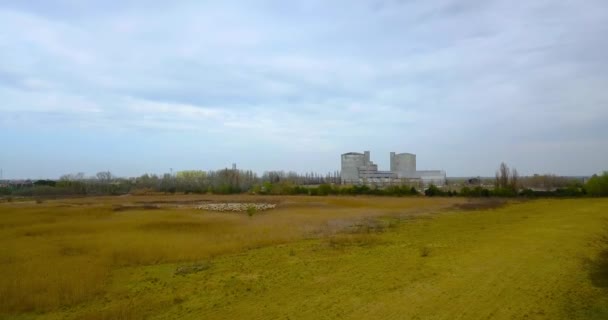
[404, 164]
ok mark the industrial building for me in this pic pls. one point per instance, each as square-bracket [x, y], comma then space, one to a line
[357, 168]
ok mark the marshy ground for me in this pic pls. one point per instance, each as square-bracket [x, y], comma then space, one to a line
[159, 257]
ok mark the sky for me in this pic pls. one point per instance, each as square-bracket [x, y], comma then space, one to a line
[138, 86]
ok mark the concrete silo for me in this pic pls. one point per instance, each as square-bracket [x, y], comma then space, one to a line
[404, 164]
[351, 162]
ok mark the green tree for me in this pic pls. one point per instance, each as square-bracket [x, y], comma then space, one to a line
[597, 186]
[432, 191]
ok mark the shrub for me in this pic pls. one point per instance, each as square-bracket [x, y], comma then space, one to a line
[324, 190]
[569, 192]
[251, 210]
[432, 191]
[597, 186]
[475, 192]
[425, 251]
[5, 191]
[504, 192]
[193, 268]
[353, 240]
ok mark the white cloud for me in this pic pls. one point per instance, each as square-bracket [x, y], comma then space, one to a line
[311, 74]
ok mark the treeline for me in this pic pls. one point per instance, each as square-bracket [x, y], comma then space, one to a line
[508, 183]
[231, 181]
[288, 188]
[573, 191]
[225, 181]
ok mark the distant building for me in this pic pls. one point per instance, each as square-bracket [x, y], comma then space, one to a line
[20, 183]
[357, 168]
[474, 181]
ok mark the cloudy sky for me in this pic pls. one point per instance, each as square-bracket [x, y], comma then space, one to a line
[143, 86]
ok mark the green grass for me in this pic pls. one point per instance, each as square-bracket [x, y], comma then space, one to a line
[314, 258]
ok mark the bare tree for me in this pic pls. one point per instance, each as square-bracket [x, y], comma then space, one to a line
[507, 178]
[104, 176]
[514, 179]
[504, 172]
[72, 177]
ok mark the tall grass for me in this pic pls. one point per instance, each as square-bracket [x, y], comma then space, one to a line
[60, 253]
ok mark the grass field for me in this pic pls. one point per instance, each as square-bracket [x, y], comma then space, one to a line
[156, 257]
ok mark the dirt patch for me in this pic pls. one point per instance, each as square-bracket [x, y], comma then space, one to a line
[185, 226]
[366, 225]
[72, 251]
[172, 202]
[350, 228]
[193, 268]
[598, 266]
[598, 270]
[482, 204]
[341, 241]
[79, 204]
[120, 207]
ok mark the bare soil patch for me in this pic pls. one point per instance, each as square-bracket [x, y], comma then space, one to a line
[482, 204]
[121, 207]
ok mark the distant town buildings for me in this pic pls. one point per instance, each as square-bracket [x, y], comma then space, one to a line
[358, 169]
[16, 183]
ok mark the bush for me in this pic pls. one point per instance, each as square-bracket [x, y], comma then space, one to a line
[5, 191]
[193, 268]
[570, 192]
[324, 190]
[475, 192]
[398, 191]
[597, 186]
[433, 191]
[504, 192]
[425, 251]
[300, 190]
[251, 210]
[47, 191]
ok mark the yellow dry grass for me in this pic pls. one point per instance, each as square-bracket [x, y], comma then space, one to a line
[312, 258]
[61, 253]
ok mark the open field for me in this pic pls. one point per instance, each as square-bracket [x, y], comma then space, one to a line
[158, 257]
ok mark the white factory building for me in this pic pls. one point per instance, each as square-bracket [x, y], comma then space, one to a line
[357, 168]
